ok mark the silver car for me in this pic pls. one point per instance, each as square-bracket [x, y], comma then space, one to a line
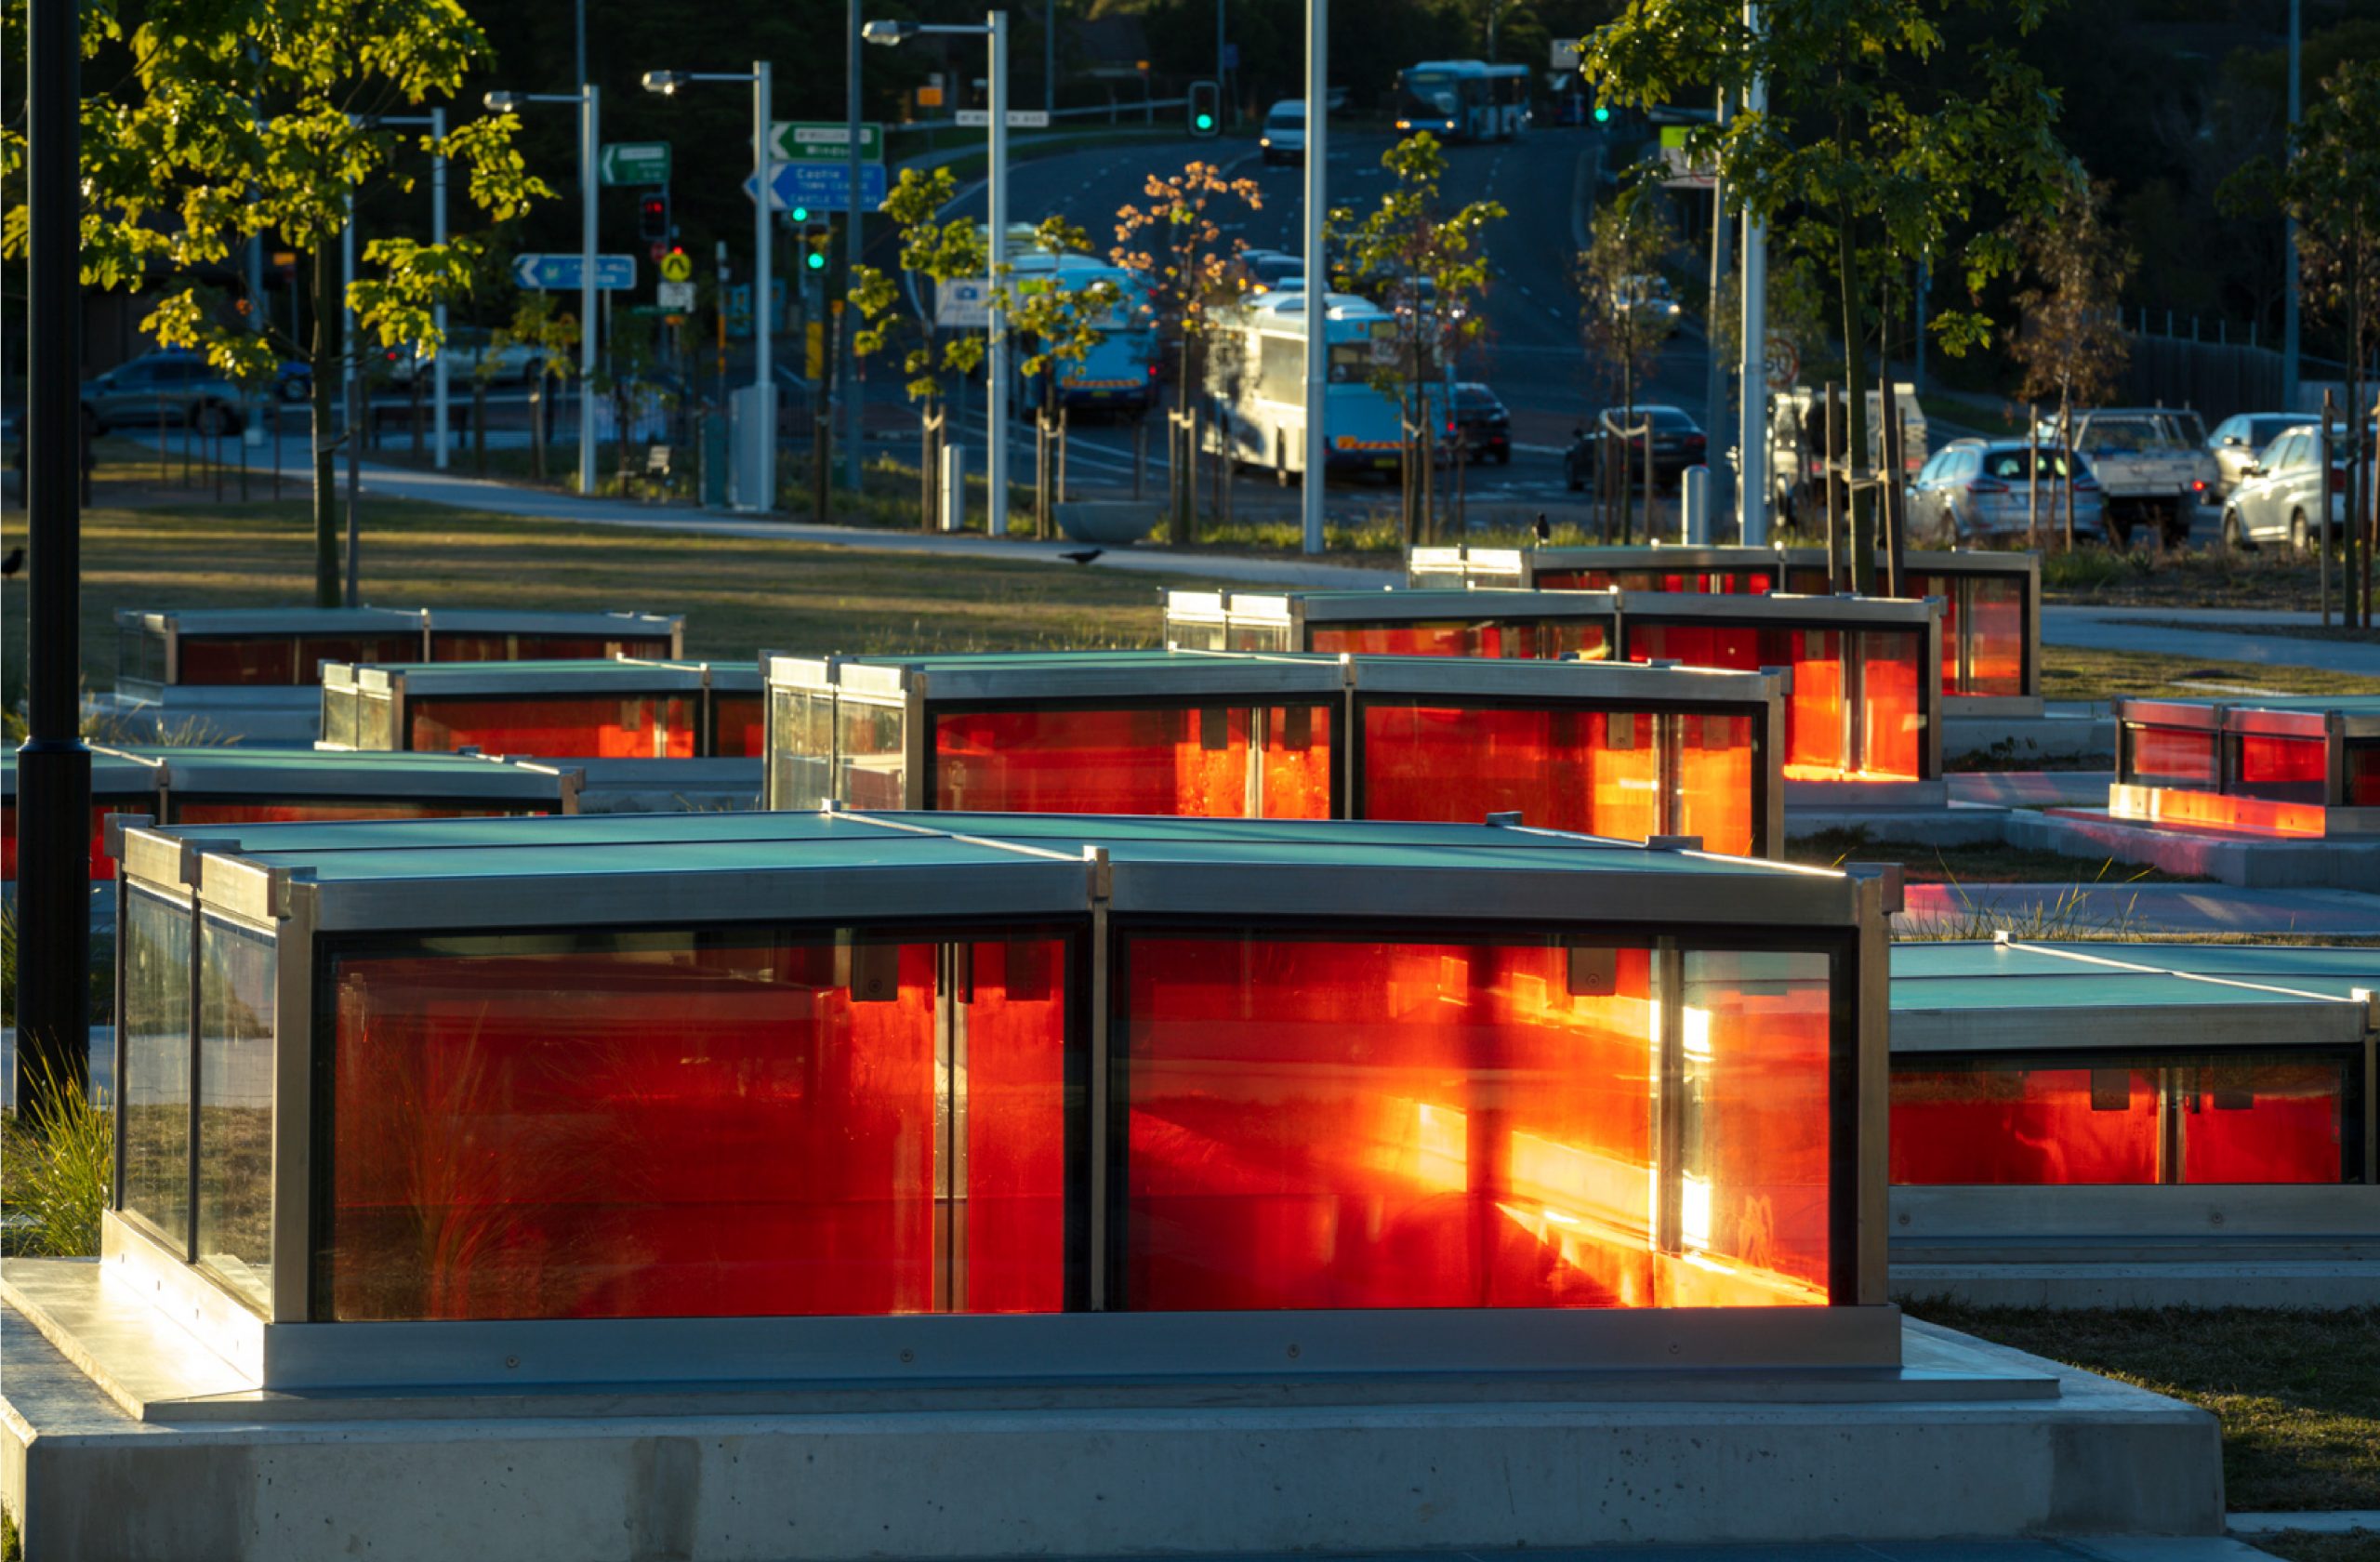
[162, 389]
[2282, 491]
[2238, 439]
[1976, 491]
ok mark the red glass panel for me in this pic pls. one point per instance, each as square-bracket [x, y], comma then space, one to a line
[1718, 767]
[1575, 579]
[2024, 1125]
[1814, 724]
[1404, 1125]
[303, 810]
[1549, 640]
[1809, 582]
[102, 866]
[1558, 769]
[2180, 756]
[621, 727]
[658, 1129]
[1188, 759]
[215, 661]
[1995, 638]
[2264, 1121]
[1895, 717]
[740, 725]
[454, 645]
[2363, 775]
[2285, 769]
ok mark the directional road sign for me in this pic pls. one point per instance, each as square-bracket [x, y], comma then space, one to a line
[1030, 119]
[560, 273]
[824, 142]
[635, 162]
[963, 304]
[820, 186]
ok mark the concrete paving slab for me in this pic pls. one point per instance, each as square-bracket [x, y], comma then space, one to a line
[2032, 788]
[2148, 910]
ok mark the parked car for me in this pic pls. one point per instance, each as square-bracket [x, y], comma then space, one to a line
[1797, 423]
[162, 389]
[468, 347]
[1975, 491]
[1649, 297]
[1479, 420]
[1260, 270]
[2283, 492]
[1283, 138]
[2239, 441]
[293, 380]
[1678, 442]
[2151, 463]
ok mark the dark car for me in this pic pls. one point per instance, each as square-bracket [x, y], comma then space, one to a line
[1678, 442]
[168, 389]
[1480, 421]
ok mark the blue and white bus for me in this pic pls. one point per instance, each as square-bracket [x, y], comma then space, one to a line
[1256, 373]
[1508, 99]
[1451, 98]
[1119, 373]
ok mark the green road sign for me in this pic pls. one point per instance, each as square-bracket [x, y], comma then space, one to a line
[822, 141]
[635, 162]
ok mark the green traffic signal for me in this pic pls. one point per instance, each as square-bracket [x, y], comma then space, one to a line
[1603, 115]
[1206, 121]
[802, 214]
[817, 260]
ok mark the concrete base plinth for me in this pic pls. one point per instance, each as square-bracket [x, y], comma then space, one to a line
[1953, 824]
[1964, 1440]
[2015, 739]
[2250, 862]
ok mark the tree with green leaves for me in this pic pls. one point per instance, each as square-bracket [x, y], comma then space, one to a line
[1427, 264]
[1059, 320]
[939, 252]
[2068, 340]
[2331, 185]
[1626, 242]
[1871, 128]
[1176, 247]
[262, 117]
[551, 338]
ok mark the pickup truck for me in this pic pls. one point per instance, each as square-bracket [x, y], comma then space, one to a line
[2151, 463]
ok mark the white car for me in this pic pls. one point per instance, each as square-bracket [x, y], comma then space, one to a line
[467, 348]
[1283, 138]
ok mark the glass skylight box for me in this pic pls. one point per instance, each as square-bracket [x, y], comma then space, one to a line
[1628, 752]
[619, 709]
[2298, 768]
[1863, 703]
[773, 1095]
[1992, 602]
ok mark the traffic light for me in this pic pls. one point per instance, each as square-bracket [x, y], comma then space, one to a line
[798, 214]
[1205, 108]
[817, 245]
[1602, 114]
[652, 215]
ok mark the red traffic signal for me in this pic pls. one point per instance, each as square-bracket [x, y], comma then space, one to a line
[652, 216]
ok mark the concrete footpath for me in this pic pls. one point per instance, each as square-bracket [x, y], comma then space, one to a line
[2158, 630]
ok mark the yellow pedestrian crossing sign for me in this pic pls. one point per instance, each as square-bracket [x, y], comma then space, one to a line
[677, 265]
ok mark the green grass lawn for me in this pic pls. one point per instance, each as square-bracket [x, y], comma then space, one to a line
[1976, 863]
[2298, 1393]
[2072, 672]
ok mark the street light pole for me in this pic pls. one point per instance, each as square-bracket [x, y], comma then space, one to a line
[1751, 400]
[591, 153]
[764, 321]
[53, 767]
[2289, 364]
[439, 383]
[996, 375]
[1317, 276]
[846, 360]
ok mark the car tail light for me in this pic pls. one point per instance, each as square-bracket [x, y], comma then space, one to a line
[1695, 442]
[2086, 484]
[2338, 479]
[1450, 425]
[1986, 485]
[2198, 486]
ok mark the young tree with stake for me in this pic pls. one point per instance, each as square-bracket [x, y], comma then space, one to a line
[2067, 338]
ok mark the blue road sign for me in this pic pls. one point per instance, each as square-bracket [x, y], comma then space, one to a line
[819, 186]
[559, 274]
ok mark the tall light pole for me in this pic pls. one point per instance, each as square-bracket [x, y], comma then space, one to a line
[765, 392]
[846, 359]
[1714, 385]
[435, 121]
[590, 151]
[994, 29]
[1752, 410]
[2289, 366]
[1317, 274]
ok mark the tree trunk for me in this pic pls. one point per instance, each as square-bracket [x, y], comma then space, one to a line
[1855, 392]
[327, 319]
[2066, 458]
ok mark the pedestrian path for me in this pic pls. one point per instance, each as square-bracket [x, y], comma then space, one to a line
[2155, 630]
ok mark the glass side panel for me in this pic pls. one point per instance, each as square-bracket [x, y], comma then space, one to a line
[155, 1089]
[1891, 664]
[338, 717]
[746, 1123]
[1260, 637]
[456, 646]
[330, 810]
[235, 1023]
[2363, 774]
[871, 763]
[1753, 1195]
[611, 727]
[2284, 769]
[2167, 757]
[218, 660]
[739, 726]
[376, 719]
[1548, 639]
[1807, 580]
[1203, 634]
[2251, 1119]
[1559, 768]
[140, 656]
[1184, 759]
[1312, 1123]
[1720, 765]
[102, 866]
[801, 759]
[2025, 1124]
[1995, 631]
[1814, 715]
[314, 650]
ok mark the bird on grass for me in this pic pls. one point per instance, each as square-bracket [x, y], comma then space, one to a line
[13, 562]
[1542, 530]
[1082, 555]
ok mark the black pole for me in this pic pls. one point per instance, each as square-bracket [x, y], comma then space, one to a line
[53, 767]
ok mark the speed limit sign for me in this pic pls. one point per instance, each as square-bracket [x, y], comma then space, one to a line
[1784, 364]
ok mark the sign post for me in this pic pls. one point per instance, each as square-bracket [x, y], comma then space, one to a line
[565, 273]
[802, 141]
[819, 187]
[635, 162]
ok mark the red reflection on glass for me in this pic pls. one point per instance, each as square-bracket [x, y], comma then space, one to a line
[1400, 1125]
[1894, 719]
[2169, 754]
[2024, 1125]
[740, 725]
[102, 866]
[2363, 775]
[1185, 759]
[1718, 770]
[1995, 609]
[2285, 769]
[679, 1131]
[1547, 640]
[1594, 771]
[1719, 582]
[626, 727]
[456, 646]
[306, 809]
[2263, 1120]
